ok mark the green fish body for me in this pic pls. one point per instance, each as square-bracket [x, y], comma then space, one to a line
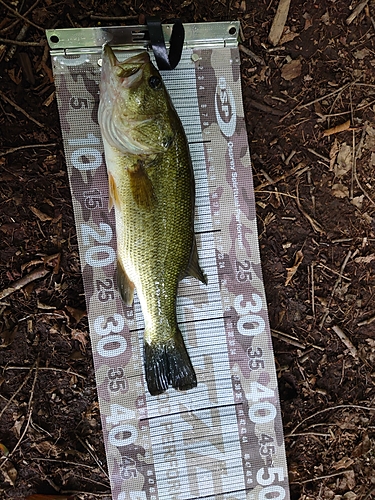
[151, 186]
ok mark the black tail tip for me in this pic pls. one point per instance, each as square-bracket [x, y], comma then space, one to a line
[168, 365]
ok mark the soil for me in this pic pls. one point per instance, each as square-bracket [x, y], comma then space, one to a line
[315, 194]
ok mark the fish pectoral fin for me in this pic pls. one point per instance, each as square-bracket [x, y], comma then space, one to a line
[168, 364]
[125, 285]
[113, 197]
[194, 267]
[141, 186]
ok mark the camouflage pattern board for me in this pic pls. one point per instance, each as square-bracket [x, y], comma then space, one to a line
[223, 439]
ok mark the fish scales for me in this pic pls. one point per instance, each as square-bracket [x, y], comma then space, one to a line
[151, 186]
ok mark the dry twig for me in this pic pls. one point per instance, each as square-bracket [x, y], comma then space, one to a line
[338, 407]
[11, 26]
[314, 224]
[251, 54]
[287, 338]
[19, 389]
[356, 12]
[28, 146]
[366, 321]
[345, 340]
[29, 412]
[18, 108]
[300, 168]
[17, 14]
[319, 478]
[265, 108]
[21, 43]
[88, 447]
[113, 18]
[338, 281]
[40, 272]
[50, 368]
[279, 22]
[318, 155]
[327, 95]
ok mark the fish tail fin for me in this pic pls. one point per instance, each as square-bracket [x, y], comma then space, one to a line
[168, 364]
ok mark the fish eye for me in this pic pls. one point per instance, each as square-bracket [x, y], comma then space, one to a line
[154, 82]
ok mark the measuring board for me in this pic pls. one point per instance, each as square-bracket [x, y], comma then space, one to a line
[223, 439]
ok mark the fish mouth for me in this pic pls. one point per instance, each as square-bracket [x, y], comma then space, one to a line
[130, 71]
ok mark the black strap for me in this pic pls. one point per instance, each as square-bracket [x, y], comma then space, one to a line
[163, 59]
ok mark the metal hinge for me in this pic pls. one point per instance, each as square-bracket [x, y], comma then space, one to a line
[90, 40]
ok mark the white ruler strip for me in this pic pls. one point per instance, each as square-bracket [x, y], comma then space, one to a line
[222, 440]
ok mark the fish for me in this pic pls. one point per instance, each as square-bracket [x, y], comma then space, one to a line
[152, 190]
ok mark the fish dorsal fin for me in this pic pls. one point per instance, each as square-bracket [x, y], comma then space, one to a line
[141, 186]
[194, 267]
[113, 197]
[125, 285]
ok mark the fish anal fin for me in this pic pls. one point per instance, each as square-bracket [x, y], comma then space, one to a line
[113, 197]
[125, 285]
[141, 186]
[168, 364]
[194, 267]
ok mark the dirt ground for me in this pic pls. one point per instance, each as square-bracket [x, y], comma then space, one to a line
[310, 103]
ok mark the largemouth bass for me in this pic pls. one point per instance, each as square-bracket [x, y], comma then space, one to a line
[151, 187]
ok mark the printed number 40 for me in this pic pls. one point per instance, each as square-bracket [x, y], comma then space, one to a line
[123, 433]
[264, 411]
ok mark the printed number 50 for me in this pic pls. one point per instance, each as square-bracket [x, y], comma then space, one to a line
[265, 477]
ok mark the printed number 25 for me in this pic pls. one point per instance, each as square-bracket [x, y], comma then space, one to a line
[243, 271]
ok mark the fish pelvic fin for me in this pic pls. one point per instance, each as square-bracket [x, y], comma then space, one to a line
[113, 197]
[125, 285]
[194, 268]
[168, 364]
[141, 186]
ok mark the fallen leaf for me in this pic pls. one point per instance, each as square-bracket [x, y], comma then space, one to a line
[344, 161]
[47, 449]
[16, 78]
[77, 314]
[4, 450]
[8, 336]
[9, 473]
[292, 270]
[81, 337]
[343, 463]
[291, 70]
[46, 307]
[361, 54]
[53, 260]
[337, 129]
[325, 18]
[41, 215]
[357, 201]
[288, 37]
[348, 481]
[340, 191]
[365, 260]
[18, 426]
[308, 20]
[363, 447]
[279, 21]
